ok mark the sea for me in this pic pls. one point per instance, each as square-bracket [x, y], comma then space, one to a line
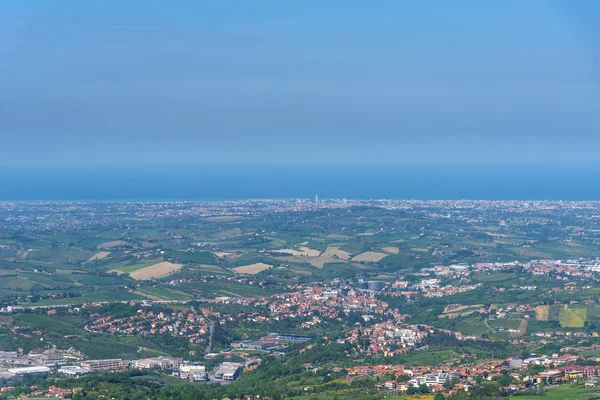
[238, 182]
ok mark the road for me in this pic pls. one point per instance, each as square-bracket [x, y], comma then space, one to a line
[210, 337]
[485, 321]
[16, 308]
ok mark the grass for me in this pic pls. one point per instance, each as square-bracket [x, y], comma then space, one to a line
[560, 393]
[44, 322]
[473, 326]
[430, 357]
[493, 276]
[505, 323]
[572, 317]
[590, 353]
[224, 288]
[130, 268]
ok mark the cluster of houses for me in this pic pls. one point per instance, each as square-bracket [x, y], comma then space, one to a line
[189, 324]
[387, 338]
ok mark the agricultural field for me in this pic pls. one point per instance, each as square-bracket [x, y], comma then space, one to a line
[131, 268]
[99, 256]
[572, 317]
[369, 256]
[252, 268]
[548, 313]
[452, 312]
[570, 392]
[155, 271]
[111, 244]
[301, 251]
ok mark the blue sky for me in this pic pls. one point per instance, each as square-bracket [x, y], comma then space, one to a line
[295, 82]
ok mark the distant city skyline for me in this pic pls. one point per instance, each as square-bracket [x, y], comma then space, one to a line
[313, 82]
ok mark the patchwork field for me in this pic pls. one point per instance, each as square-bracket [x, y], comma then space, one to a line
[252, 268]
[331, 255]
[333, 251]
[159, 270]
[572, 317]
[299, 252]
[369, 256]
[391, 250]
[547, 313]
[127, 269]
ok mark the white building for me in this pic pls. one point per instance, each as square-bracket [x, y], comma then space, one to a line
[29, 371]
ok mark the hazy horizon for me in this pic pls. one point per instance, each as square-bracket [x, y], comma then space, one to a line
[235, 182]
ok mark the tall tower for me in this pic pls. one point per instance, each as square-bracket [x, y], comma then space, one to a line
[316, 199]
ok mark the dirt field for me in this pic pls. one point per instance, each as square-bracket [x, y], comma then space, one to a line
[369, 256]
[114, 243]
[252, 268]
[541, 313]
[391, 250]
[226, 254]
[100, 256]
[299, 252]
[331, 255]
[159, 270]
[522, 329]
[336, 252]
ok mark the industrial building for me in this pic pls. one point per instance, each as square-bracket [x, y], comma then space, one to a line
[192, 372]
[227, 371]
[113, 364]
[72, 370]
[158, 362]
[255, 345]
[28, 371]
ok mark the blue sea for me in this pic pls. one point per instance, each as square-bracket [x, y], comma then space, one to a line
[215, 183]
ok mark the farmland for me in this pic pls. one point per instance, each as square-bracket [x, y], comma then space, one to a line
[400, 285]
[369, 256]
[252, 268]
[159, 270]
[572, 317]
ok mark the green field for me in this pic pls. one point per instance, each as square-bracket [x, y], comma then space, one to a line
[493, 276]
[473, 326]
[164, 293]
[430, 357]
[505, 323]
[572, 317]
[130, 268]
[201, 257]
[562, 393]
[43, 322]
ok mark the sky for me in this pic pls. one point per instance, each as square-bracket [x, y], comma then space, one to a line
[299, 82]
